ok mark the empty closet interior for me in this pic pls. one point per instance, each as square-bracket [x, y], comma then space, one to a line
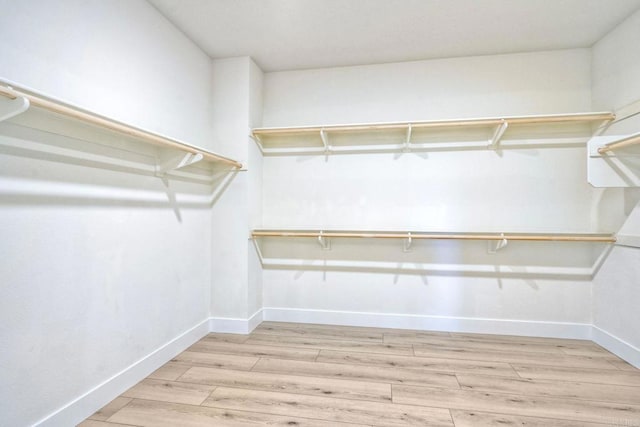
[163, 176]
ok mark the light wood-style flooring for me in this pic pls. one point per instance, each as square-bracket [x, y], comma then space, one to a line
[286, 374]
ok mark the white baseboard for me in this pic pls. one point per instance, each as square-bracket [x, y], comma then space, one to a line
[431, 323]
[85, 405]
[231, 325]
[615, 345]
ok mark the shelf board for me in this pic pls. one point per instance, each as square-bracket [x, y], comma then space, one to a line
[185, 154]
[423, 135]
[513, 236]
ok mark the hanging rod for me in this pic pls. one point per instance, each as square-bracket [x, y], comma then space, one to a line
[489, 121]
[114, 125]
[622, 143]
[556, 237]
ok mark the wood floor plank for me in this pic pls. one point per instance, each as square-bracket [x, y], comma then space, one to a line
[486, 419]
[170, 371]
[215, 360]
[421, 363]
[96, 423]
[519, 338]
[233, 338]
[318, 331]
[553, 359]
[329, 409]
[286, 374]
[339, 388]
[337, 331]
[109, 409]
[254, 350]
[146, 413]
[562, 389]
[595, 351]
[170, 391]
[474, 344]
[330, 344]
[624, 366]
[358, 372]
[513, 404]
[599, 376]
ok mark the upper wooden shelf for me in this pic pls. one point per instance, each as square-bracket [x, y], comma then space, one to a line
[422, 135]
[176, 154]
[422, 235]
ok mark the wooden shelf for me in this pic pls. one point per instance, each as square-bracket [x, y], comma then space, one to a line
[614, 161]
[421, 135]
[176, 154]
[549, 237]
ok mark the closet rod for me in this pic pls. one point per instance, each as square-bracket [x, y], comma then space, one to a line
[625, 142]
[604, 238]
[491, 121]
[113, 125]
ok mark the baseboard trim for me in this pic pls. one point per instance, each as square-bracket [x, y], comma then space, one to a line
[615, 345]
[431, 323]
[232, 325]
[85, 405]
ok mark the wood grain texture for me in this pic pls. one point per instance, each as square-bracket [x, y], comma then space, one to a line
[146, 413]
[170, 371]
[496, 355]
[329, 409]
[169, 391]
[111, 408]
[630, 378]
[564, 389]
[514, 404]
[254, 350]
[96, 423]
[487, 419]
[347, 389]
[421, 363]
[476, 344]
[331, 344]
[205, 358]
[389, 375]
[318, 331]
[287, 374]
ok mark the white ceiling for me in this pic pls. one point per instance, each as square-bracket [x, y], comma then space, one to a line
[298, 34]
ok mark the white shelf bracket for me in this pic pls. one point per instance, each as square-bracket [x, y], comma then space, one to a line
[257, 140]
[492, 247]
[325, 142]
[497, 135]
[12, 107]
[406, 247]
[407, 141]
[324, 243]
[168, 161]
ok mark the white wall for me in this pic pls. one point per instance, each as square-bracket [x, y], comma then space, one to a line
[532, 189]
[616, 290]
[237, 107]
[99, 267]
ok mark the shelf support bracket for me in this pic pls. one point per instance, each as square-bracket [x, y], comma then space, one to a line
[257, 140]
[492, 247]
[12, 107]
[325, 142]
[324, 243]
[167, 161]
[407, 141]
[497, 135]
[406, 247]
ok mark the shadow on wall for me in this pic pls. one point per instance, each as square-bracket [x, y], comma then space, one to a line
[49, 161]
[520, 259]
